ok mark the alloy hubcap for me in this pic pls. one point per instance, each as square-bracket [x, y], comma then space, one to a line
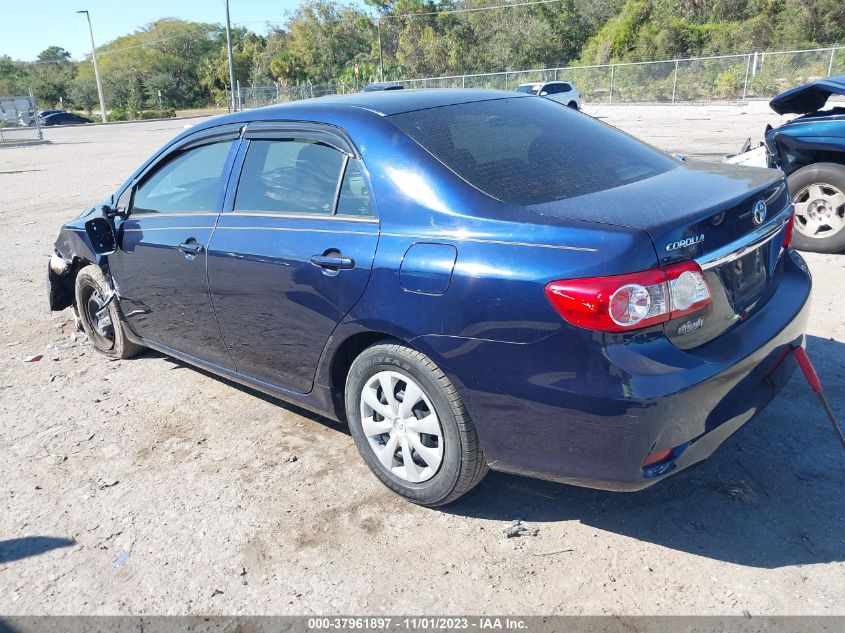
[401, 426]
[819, 210]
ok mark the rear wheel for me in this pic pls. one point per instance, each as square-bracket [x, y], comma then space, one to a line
[818, 193]
[573, 105]
[410, 425]
[102, 323]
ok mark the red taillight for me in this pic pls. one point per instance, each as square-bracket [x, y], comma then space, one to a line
[626, 302]
[787, 234]
[659, 456]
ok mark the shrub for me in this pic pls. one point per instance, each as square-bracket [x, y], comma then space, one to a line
[156, 114]
[117, 114]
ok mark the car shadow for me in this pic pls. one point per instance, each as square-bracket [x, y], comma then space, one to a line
[27, 546]
[771, 496]
[283, 404]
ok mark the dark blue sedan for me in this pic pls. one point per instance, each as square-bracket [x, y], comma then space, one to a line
[470, 279]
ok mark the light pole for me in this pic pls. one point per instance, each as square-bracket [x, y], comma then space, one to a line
[231, 58]
[96, 68]
[380, 53]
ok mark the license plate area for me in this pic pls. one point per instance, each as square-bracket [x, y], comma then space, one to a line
[746, 278]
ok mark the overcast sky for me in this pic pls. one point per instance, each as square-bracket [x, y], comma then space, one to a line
[27, 28]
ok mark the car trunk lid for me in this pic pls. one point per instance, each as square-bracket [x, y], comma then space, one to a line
[724, 217]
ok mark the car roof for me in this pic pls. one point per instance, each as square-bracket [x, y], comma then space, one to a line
[380, 103]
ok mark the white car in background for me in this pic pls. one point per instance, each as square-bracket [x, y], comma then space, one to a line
[561, 91]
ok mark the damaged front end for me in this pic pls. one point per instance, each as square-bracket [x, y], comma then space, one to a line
[815, 136]
[88, 239]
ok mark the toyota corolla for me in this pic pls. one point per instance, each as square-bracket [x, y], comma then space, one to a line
[470, 279]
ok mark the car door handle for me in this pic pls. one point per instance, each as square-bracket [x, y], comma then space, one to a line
[191, 248]
[336, 262]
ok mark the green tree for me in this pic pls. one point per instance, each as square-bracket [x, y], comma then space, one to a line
[328, 38]
[286, 68]
[14, 77]
[82, 93]
[52, 76]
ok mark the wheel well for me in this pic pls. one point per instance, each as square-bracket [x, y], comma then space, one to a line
[342, 361]
[63, 287]
[805, 158]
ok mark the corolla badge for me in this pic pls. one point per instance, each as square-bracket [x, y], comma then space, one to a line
[690, 241]
[759, 212]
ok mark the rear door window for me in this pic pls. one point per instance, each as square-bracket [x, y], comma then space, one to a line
[354, 196]
[528, 151]
[289, 176]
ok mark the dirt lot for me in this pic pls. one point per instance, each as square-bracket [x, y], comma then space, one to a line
[146, 486]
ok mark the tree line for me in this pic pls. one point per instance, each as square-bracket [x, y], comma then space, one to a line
[175, 64]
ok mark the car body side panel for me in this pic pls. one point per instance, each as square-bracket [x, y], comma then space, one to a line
[163, 293]
[275, 307]
[602, 402]
[808, 140]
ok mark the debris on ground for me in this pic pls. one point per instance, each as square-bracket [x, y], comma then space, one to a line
[520, 528]
[121, 558]
[33, 359]
[560, 551]
[739, 491]
[291, 459]
[217, 592]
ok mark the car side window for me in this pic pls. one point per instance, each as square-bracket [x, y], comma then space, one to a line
[189, 183]
[289, 176]
[354, 196]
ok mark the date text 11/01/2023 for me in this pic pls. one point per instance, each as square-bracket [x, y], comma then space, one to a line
[417, 623]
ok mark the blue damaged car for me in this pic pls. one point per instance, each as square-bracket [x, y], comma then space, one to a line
[469, 279]
[810, 150]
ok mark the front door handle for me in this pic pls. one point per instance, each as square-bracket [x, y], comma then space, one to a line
[191, 248]
[333, 262]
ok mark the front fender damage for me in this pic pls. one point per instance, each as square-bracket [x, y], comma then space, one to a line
[72, 252]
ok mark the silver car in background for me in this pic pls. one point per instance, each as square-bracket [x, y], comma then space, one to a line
[563, 92]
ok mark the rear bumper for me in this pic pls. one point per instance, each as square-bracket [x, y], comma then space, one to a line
[587, 408]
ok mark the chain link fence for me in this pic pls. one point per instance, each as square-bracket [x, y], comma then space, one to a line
[719, 78]
[19, 119]
[757, 75]
[258, 96]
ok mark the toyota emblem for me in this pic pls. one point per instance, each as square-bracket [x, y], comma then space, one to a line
[759, 212]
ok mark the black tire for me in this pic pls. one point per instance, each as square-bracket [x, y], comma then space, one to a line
[463, 464]
[91, 287]
[827, 175]
[573, 105]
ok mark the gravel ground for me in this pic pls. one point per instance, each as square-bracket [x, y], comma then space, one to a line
[147, 486]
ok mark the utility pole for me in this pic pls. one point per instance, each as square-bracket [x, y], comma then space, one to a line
[96, 68]
[380, 53]
[231, 58]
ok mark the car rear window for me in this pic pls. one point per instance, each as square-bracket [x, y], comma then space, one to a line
[531, 150]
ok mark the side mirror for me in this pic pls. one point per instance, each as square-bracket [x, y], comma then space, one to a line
[101, 234]
[544, 93]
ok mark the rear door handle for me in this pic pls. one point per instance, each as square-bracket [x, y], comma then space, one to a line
[191, 248]
[333, 262]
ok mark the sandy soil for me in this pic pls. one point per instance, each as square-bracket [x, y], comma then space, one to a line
[146, 486]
